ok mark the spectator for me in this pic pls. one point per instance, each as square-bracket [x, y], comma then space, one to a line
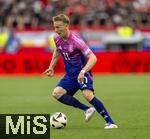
[37, 13]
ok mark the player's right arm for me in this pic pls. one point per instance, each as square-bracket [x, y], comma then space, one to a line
[50, 70]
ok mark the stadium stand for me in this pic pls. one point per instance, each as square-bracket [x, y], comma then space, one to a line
[34, 13]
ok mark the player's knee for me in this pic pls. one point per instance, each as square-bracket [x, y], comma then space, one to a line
[88, 95]
[57, 93]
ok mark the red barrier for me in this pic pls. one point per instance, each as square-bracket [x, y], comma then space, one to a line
[108, 62]
[26, 63]
[124, 62]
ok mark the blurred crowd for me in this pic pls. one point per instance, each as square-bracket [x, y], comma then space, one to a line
[23, 14]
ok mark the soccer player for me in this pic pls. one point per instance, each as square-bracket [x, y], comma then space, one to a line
[78, 61]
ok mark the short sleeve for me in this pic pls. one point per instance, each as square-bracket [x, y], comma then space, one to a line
[83, 47]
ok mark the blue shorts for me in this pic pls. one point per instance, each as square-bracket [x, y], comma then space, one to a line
[71, 85]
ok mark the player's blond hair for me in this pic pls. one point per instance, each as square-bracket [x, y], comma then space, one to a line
[62, 17]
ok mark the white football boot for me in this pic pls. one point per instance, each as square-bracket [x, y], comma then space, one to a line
[89, 113]
[110, 126]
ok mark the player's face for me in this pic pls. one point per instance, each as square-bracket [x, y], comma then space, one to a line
[61, 28]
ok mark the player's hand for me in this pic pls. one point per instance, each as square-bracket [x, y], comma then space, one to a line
[49, 72]
[81, 78]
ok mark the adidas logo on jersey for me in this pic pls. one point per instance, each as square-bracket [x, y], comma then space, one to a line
[60, 47]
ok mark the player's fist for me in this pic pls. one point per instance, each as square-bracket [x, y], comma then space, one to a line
[49, 72]
[81, 78]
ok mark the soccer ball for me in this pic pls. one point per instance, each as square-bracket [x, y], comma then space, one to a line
[58, 120]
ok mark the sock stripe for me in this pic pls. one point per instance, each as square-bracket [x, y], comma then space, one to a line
[101, 109]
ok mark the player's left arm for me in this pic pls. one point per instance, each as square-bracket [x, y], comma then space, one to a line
[90, 63]
[82, 46]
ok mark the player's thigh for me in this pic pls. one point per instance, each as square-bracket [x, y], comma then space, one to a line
[58, 92]
[88, 94]
[69, 85]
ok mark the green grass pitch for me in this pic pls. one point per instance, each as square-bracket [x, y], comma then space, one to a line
[127, 98]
